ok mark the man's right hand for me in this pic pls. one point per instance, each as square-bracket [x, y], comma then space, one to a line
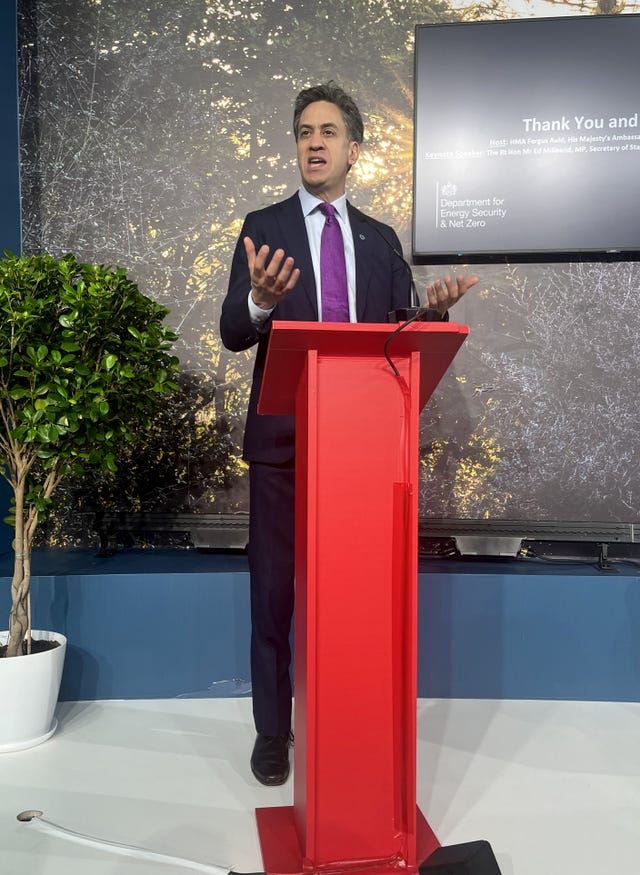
[272, 281]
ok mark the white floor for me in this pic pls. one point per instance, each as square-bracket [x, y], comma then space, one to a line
[553, 786]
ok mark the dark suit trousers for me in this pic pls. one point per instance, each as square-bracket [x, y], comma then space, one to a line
[271, 566]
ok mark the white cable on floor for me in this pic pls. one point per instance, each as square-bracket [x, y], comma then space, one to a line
[39, 822]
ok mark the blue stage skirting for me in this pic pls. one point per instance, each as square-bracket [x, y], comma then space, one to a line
[158, 624]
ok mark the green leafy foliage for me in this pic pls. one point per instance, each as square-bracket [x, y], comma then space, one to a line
[85, 364]
[84, 360]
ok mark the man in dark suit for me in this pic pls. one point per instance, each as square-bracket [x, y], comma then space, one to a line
[278, 273]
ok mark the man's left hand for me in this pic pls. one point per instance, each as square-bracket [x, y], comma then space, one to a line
[444, 293]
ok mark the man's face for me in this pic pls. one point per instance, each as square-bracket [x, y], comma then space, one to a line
[325, 152]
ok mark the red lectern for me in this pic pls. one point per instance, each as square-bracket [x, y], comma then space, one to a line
[356, 588]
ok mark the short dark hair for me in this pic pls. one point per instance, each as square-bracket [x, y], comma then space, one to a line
[332, 93]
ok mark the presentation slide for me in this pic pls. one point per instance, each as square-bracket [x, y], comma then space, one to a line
[527, 137]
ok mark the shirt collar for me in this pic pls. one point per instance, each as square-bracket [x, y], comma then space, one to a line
[310, 202]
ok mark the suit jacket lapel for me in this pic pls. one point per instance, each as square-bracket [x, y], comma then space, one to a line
[363, 245]
[294, 231]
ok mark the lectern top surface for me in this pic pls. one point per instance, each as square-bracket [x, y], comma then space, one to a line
[290, 342]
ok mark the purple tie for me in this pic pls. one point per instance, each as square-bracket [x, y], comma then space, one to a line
[333, 270]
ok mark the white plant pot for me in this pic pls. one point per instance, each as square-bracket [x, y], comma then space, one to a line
[29, 687]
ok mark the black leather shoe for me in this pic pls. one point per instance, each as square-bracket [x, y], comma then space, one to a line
[270, 759]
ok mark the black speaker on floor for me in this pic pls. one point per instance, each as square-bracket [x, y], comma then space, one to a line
[470, 858]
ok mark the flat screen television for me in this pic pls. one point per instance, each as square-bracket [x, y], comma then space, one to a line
[527, 140]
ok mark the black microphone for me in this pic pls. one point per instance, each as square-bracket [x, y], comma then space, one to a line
[414, 312]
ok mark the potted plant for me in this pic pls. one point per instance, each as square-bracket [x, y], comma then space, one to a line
[85, 362]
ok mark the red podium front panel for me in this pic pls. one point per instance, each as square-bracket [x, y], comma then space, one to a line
[356, 583]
